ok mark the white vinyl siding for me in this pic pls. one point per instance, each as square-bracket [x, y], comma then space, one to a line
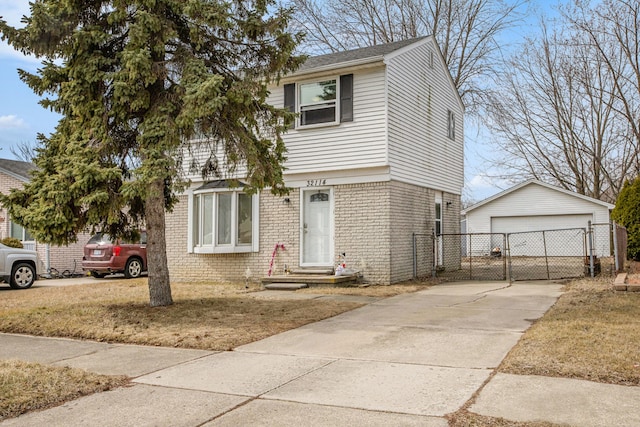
[399, 122]
[200, 155]
[348, 145]
[420, 97]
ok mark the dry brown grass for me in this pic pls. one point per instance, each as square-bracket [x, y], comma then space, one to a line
[203, 316]
[591, 333]
[26, 386]
[464, 418]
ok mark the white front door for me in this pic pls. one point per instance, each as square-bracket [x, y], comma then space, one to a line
[317, 249]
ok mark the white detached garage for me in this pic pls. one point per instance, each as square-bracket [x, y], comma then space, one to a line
[536, 206]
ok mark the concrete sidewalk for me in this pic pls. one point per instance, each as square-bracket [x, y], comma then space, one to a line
[407, 360]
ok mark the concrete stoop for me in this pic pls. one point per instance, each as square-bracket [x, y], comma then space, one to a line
[285, 286]
[303, 278]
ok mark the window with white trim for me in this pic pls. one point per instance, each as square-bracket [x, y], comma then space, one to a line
[19, 232]
[328, 101]
[224, 221]
[318, 102]
[438, 222]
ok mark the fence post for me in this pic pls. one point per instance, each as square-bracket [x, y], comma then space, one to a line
[504, 257]
[434, 252]
[590, 242]
[470, 259]
[546, 257]
[508, 247]
[415, 256]
[616, 254]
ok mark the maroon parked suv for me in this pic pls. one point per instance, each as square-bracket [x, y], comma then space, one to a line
[104, 255]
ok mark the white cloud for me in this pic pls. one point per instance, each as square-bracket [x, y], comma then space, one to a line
[12, 122]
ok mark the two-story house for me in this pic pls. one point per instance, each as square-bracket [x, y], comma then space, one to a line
[376, 155]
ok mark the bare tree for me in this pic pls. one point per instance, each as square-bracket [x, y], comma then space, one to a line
[24, 151]
[556, 116]
[467, 31]
[613, 28]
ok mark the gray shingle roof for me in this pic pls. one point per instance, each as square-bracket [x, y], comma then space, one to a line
[17, 168]
[355, 54]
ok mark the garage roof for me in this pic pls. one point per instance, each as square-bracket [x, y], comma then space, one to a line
[542, 184]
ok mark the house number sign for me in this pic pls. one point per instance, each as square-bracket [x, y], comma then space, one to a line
[316, 182]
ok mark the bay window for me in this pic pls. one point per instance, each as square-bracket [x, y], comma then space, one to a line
[224, 221]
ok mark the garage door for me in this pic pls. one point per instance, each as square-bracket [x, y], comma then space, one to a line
[524, 242]
[515, 224]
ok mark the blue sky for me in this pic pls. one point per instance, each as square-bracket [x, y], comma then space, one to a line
[22, 118]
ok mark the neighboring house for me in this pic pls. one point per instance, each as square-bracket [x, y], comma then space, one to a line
[13, 174]
[376, 155]
[534, 206]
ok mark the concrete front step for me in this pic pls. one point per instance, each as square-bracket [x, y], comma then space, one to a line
[313, 271]
[285, 286]
[310, 279]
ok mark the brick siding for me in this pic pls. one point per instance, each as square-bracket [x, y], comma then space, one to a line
[373, 226]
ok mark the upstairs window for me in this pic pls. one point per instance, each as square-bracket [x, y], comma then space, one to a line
[323, 102]
[451, 125]
[318, 102]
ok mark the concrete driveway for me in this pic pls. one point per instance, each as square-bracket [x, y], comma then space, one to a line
[405, 360]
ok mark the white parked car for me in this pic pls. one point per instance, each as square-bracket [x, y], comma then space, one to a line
[18, 267]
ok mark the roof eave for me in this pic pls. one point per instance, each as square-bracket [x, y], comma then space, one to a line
[356, 63]
[542, 184]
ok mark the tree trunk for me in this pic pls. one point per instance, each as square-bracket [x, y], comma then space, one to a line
[159, 285]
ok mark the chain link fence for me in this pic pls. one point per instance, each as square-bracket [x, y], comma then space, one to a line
[534, 255]
[479, 256]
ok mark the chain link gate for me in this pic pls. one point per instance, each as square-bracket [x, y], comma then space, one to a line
[547, 255]
[535, 255]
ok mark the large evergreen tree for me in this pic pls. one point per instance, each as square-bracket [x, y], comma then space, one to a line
[133, 80]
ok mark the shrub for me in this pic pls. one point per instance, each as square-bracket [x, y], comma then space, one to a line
[627, 213]
[12, 242]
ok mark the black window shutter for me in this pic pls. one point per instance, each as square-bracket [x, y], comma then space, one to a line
[346, 98]
[290, 98]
